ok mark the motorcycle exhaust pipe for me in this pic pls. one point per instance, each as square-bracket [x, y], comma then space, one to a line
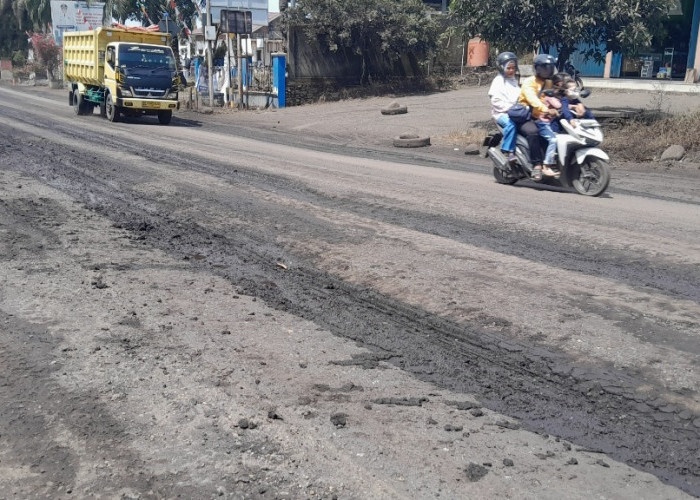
[499, 159]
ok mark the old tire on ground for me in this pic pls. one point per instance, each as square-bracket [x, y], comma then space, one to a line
[591, 178]
[164, 117]
[502, 178]
[411, 141]
[399, 110]
[111, 111]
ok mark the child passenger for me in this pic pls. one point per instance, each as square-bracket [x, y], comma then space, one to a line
[546, 125]
[572, 108]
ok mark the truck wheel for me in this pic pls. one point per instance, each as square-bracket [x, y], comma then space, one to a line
[103, 109]
[111, 111]
[164, 117]
[80, 105]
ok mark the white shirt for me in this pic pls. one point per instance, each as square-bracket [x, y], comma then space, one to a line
[504, 92]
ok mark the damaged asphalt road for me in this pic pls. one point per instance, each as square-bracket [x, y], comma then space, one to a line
[175, 285]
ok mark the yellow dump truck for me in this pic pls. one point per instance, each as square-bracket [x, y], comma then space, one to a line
[121, 71]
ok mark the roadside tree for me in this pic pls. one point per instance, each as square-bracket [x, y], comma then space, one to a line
[12, 38]
[390, 28]
[18, 16]
[47, 52]
[605, 25]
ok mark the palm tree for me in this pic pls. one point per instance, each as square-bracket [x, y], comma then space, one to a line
[37, 11]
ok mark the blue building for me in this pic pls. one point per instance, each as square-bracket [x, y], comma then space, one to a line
[673, 55]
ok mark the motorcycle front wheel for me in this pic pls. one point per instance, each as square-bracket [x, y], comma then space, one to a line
[591, 178]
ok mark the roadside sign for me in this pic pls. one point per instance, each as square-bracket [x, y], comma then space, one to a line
[237, 21]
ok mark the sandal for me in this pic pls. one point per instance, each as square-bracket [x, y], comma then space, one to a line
[537, 173]
[547, 170]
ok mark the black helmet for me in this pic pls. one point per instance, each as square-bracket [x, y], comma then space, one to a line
[544, 65]
[503, 59]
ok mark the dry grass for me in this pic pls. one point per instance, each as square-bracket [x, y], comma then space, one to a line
[462, 138]
[646, 136]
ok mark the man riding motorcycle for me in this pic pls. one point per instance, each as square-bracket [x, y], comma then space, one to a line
[544, 66]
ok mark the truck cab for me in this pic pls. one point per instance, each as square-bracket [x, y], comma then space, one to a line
[142, 77]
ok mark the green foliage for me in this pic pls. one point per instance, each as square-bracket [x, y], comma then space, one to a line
[18, 58]
[17, 16]
[391, 28]
[36, 12]
[519, 25]
[12, 38]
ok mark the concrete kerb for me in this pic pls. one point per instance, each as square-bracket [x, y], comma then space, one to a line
[628, 84]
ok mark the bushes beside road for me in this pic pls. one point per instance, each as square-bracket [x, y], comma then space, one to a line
[645, 136]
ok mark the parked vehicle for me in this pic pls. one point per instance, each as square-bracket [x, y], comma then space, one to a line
[581, 163]
[121, 71]
[574, 73]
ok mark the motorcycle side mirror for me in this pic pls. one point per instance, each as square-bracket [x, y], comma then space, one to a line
[585, 93]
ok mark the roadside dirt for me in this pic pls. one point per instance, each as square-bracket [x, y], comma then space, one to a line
[175, 325]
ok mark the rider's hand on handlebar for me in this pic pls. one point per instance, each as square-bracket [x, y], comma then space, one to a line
[552, 112]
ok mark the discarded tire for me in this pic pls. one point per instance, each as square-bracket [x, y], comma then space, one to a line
[411, 141]
[395, 110]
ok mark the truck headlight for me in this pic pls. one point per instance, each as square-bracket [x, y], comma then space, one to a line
[126, 93]
[172, 95]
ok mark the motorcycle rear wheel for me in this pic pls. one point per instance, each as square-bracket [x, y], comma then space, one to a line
[503, 178]
[592, 177]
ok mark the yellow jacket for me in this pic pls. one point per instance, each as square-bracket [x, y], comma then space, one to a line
[530, 94]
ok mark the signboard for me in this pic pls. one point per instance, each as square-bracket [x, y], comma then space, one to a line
[74, 16]
[257, 8]
[237, 21]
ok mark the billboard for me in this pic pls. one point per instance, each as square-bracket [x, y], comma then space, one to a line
[258, 9]
[74, 16]
[236, 21]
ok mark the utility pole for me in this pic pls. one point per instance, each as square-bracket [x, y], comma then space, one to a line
[210, 67]
[239, 61]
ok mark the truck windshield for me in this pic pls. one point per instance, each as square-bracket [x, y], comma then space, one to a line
[146, 56]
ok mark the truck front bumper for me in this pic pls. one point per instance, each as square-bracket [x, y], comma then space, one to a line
[148, 104]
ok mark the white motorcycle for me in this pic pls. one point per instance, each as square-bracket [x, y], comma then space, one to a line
[582, 164]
